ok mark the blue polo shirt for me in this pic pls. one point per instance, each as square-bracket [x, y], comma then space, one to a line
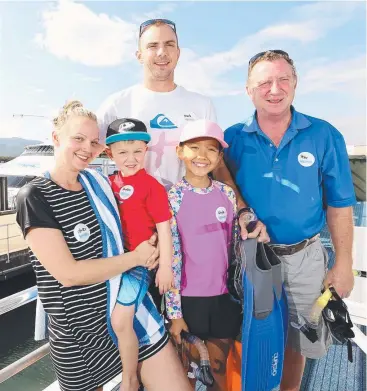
[289, 186]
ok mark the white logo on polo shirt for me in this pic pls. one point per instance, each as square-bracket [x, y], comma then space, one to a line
[221, 214]
[81, 232]
[306, 159]
[190, 116]
[126, 192]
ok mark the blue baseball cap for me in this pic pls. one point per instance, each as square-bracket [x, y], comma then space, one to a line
[125, 129]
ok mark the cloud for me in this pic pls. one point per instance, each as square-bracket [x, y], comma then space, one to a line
[312, 22]
[35, 90]
[353, 128]
[160, 12]
[87, 78]
[11, 127]
[348, 74]
[89, 38]
[213, 66]
[29, 128]
[92, 39]
[100, 40]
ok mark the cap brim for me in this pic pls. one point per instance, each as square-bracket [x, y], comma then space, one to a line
[221, 142]
[128, 136]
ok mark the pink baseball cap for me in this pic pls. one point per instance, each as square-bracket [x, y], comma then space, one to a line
[202, 128]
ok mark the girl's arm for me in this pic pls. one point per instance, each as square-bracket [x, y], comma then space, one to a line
[50, 248]
[173, 296]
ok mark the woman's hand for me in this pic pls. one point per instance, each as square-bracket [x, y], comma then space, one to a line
[147, 253]
[175, 330]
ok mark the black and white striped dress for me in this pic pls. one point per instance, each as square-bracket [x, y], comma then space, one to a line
[82, 351]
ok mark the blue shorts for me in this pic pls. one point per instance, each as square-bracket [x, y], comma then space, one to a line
[134, 286]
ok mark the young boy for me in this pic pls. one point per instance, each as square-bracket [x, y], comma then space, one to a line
[204, 227]
[144, 210]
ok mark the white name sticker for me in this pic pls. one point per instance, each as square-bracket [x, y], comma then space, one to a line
[81, 232]
[306, 159]
[126, 192]
[221, 214]
[190, 117]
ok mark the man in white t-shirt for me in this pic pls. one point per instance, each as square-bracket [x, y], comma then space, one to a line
[164, 107]
[161, 104]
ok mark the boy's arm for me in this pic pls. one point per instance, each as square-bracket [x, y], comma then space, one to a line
[164, 277]
[165, 243]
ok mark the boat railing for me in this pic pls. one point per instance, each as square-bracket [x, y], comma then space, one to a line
[11, 303]
[6, 249]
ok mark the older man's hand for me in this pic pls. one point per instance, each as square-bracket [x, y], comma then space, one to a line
[341, 277]
[259, 231]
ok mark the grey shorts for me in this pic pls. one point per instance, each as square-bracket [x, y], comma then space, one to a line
[303, 275]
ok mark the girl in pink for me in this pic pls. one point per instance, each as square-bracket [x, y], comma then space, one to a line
[204, 227]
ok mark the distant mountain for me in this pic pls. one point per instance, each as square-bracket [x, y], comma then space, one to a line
[14, 146]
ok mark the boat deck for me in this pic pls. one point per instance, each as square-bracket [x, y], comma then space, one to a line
[331, 373]
[334, 372]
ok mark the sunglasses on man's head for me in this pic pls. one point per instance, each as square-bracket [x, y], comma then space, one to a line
[149, 22]
[258, 55]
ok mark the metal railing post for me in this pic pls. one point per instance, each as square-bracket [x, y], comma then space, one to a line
[12, 302]
[24, 362]
[7, 242]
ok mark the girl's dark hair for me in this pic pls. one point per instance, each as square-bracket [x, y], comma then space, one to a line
[220, 147]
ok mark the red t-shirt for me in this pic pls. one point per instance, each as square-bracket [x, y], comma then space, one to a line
[142, 202]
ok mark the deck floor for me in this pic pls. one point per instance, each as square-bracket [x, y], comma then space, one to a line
[335, 373]
[331, 373]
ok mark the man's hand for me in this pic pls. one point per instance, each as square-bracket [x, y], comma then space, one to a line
[259, 232]
[164, 278]
[341, 277]
[175, 330]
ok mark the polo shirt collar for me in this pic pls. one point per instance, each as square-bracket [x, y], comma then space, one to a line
[299, 121]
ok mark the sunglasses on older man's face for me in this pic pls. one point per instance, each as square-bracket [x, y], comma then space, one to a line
[149, 22]
[258, 55]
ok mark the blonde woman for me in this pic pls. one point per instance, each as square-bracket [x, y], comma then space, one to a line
[75, 249]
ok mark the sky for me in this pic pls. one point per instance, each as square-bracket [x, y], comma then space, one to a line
[51, 52]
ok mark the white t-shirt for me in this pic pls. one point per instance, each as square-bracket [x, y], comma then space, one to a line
[163, 114]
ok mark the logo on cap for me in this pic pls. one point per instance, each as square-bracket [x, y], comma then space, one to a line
[126, 126]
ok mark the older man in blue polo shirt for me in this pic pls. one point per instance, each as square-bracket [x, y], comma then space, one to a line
[293, 170]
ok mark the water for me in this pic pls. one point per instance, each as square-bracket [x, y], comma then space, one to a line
[16, 340]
